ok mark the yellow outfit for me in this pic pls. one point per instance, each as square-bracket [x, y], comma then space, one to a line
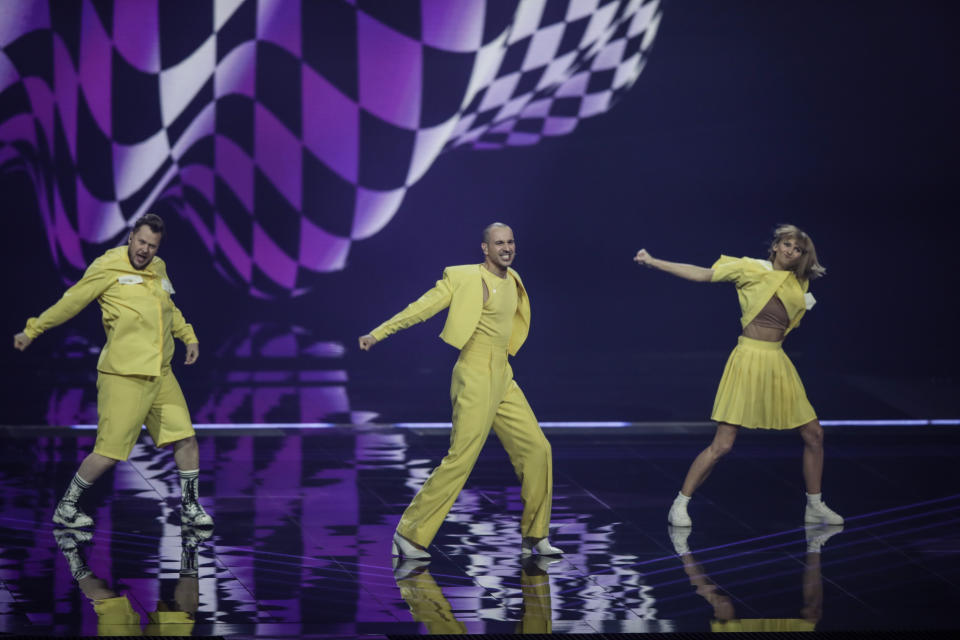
[135, 383]
[760, 388]
[484, 395]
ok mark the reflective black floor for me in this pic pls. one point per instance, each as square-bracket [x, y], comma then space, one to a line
[304, 519]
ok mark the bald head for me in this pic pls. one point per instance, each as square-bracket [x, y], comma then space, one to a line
[491, 227]
[498, 248]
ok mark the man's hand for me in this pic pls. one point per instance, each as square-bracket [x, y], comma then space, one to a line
[193, 352]
[366, 342]
[643, 258]
[21, 341]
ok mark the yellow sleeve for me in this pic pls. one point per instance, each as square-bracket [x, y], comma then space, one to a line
[426, 306]
[181, 328]
[94, 282]
[728, 269]
[739, 271]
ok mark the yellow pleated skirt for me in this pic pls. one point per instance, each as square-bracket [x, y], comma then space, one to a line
[760, 389]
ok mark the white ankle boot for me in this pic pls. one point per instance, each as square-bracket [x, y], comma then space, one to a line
[542, 546]
[820, 513]
[405, 548]
[678, 516]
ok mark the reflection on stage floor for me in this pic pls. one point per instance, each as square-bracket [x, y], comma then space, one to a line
[304, 518]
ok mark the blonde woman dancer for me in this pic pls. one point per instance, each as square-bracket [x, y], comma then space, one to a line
[760, 388]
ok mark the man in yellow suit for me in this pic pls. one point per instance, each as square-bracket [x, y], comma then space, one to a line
[489, 318]
[135, 385]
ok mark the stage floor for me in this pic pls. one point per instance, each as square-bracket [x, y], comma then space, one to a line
[304, 519]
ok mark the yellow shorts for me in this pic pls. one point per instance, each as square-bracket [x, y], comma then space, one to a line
[126, 403]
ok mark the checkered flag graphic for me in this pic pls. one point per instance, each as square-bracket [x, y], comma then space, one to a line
[285, 130]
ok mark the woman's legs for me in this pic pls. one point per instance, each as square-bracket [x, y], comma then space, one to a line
[812, 434]
[702, 465]
[817, 511]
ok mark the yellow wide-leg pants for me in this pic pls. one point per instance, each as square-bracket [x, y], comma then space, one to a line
[485, 395]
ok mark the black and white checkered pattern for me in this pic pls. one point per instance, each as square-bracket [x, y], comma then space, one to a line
[284, 130]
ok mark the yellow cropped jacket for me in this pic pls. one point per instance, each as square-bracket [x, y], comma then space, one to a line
[139, 316]
[461, 289]
[757, 282]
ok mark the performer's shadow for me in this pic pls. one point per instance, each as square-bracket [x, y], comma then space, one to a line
[116, 616]
[431, 608]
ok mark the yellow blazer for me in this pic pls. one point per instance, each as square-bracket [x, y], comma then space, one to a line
[757, 281]
[139, 316]
[461, 289]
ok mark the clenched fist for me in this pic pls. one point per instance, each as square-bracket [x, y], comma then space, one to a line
[21, 341]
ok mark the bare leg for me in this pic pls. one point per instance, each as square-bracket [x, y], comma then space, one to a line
[703, 464]
[186, 453]
[94, 466]
[812, 434]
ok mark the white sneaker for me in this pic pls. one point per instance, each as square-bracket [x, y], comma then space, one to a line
[405, 548]
[542, 546]
[820, 513]
[678, 516]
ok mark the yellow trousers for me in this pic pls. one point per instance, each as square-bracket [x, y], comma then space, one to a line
[127, 403]
[485, 395]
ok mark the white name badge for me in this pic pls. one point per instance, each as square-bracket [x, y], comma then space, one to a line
[167, 286]
[130, 279]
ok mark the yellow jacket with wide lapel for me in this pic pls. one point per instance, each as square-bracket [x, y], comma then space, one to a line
[461, 289]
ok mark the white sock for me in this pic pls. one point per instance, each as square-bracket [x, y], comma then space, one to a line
[814, 499]
[682, 499]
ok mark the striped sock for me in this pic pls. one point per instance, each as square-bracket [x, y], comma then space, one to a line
[77, 486]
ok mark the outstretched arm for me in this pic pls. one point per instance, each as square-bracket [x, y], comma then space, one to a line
[685, 271]
[426, 306]
[93, 283]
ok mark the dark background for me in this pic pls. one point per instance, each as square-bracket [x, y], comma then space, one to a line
[835, 116]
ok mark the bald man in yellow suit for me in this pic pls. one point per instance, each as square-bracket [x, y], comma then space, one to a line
[488, 318]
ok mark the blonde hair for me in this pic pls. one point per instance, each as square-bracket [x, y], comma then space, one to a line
[807, 267]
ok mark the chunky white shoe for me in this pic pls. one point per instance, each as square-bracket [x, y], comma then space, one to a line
[678, 516]
[405, 548]
[69, 515]
[542, 546]
[820, 513]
